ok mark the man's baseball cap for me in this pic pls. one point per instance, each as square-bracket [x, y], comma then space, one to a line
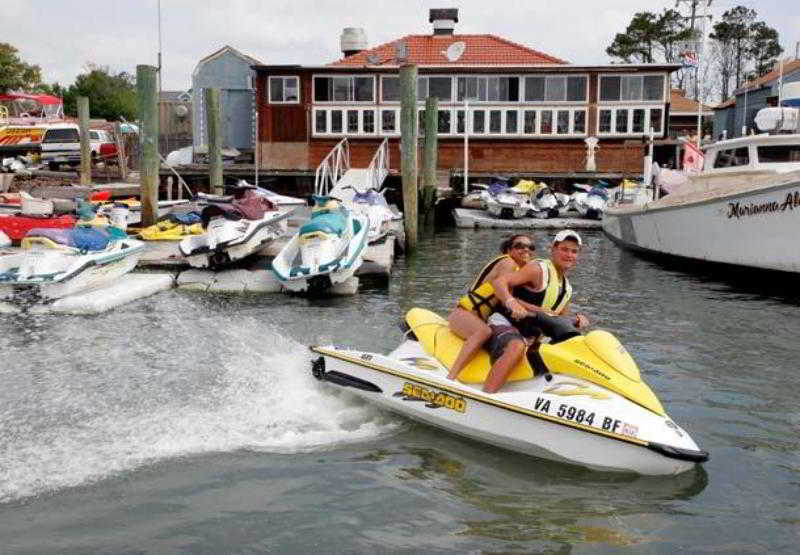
[565, 234]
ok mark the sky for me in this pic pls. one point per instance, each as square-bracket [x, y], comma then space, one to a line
[64, 36]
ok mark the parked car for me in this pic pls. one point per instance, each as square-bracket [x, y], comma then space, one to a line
[61, 144]
[102, 144]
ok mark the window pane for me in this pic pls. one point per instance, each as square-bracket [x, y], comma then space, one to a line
[509, 89]
[562, 123]
[322, 89]
[493, 85]
[342, 89]
[655, 119]
[609, 88]
[556, 89]
[352, 121]
[638, 121]
[363, 89]
[390, 91]
[779, 153]
[654, 87]
[290, 89]
[605, 121]
[440, 87]
[741, 157]
[631, 88]
[479, 121]
[388, 122]
[421, 123]
[534, 89]
[576, 89]
[482, 86]
[547, 122]
[321, 119]
[579, 125]
[422, 88]
[495, 117]
[444, 121]
[530, 121]
[369, 121]
[724, 159]
[276, 89]
[511, 121]
[336, 121]
[467, 88]
[622, 121]
[460, 121]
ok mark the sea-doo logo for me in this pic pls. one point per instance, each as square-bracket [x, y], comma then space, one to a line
[435, 399]
[592, 368]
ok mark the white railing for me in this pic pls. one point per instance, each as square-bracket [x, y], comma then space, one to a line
[332, 168]
[378, 168]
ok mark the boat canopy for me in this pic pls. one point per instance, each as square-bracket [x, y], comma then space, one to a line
[28, 107]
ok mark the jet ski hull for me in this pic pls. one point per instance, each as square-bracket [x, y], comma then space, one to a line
[547, 419]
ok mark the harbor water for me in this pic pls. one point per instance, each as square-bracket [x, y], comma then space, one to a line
[190, 423]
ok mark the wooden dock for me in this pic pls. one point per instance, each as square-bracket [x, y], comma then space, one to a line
[479, 219]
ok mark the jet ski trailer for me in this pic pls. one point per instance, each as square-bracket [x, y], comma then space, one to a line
[581, 402]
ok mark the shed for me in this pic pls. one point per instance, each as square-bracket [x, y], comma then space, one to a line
[229, 70]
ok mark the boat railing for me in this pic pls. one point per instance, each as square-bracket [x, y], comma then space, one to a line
[378, 167]
[332, 168]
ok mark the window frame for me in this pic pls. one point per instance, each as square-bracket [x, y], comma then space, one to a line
[546, 76]
[344, 109]
[283, 79]
[630, 109]
[662, 100]
[352, 77]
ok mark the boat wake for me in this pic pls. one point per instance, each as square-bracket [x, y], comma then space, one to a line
[79, 422]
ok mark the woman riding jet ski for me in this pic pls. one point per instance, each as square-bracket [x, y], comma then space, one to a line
[579, 399]
[236, 226]
[327, 250]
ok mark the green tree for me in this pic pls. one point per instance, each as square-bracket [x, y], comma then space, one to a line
[16, 74]
[110, 95]
[650, 37]
[733, 31]
[764, 47]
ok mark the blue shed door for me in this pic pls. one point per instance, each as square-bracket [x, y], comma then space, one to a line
[239, 119]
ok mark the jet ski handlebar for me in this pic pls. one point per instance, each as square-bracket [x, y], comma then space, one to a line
[557, 328]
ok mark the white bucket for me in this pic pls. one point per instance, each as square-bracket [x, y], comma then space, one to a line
[119, 217]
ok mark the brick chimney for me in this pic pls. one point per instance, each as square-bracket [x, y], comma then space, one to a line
[444, 20]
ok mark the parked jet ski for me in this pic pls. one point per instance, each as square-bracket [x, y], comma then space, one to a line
[372, 204]
[55, 263]
[235, 227]
[546, 204]
[326, 250]
[273, 197]
[579, 399]
[591, 201]
[503, 201]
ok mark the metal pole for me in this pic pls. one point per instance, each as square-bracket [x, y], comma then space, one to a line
[697, 75]
[466, 144]
[147, 96]
[159, 48]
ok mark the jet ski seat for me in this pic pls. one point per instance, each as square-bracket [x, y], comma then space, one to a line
[81, 238]
[326, 221]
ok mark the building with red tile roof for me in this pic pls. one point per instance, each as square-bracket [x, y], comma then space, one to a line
[528, 112]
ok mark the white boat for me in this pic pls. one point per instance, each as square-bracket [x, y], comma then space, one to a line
[326, 250]
[583, 402]
[506, 202]
[230, 234]
[56, 263]
[742, 209]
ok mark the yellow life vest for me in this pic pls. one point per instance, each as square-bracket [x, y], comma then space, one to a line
[554, 297]
[480, 296]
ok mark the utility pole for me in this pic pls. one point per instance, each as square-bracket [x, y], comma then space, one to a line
[694, 4]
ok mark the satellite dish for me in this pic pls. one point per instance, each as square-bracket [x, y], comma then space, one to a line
[373, 59]
[455, 50]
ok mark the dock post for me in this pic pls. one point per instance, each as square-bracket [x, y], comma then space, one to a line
[408, 147]
[147, 96]
[429, 158]
[86, 152]
[214, 126]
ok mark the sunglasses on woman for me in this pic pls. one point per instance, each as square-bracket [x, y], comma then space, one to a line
[522, 246]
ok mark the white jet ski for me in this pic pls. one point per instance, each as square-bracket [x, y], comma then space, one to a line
[236, 226]
[546, 204]
[273, 197]
[326, 250]
[591, 202]
[579, 399]
[505, 202]
[372, 204]
[55, 263]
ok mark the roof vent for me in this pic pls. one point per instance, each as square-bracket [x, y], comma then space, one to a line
[353, 40]
[444, 20]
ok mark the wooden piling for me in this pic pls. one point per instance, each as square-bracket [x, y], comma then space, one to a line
[429, 158]
[122, 158]
[408, 146]
[147, 96]
[86, 150]
[214, 126]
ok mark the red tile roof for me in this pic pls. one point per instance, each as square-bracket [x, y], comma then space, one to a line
[430, 50]
[680, 104]
[770, 76]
